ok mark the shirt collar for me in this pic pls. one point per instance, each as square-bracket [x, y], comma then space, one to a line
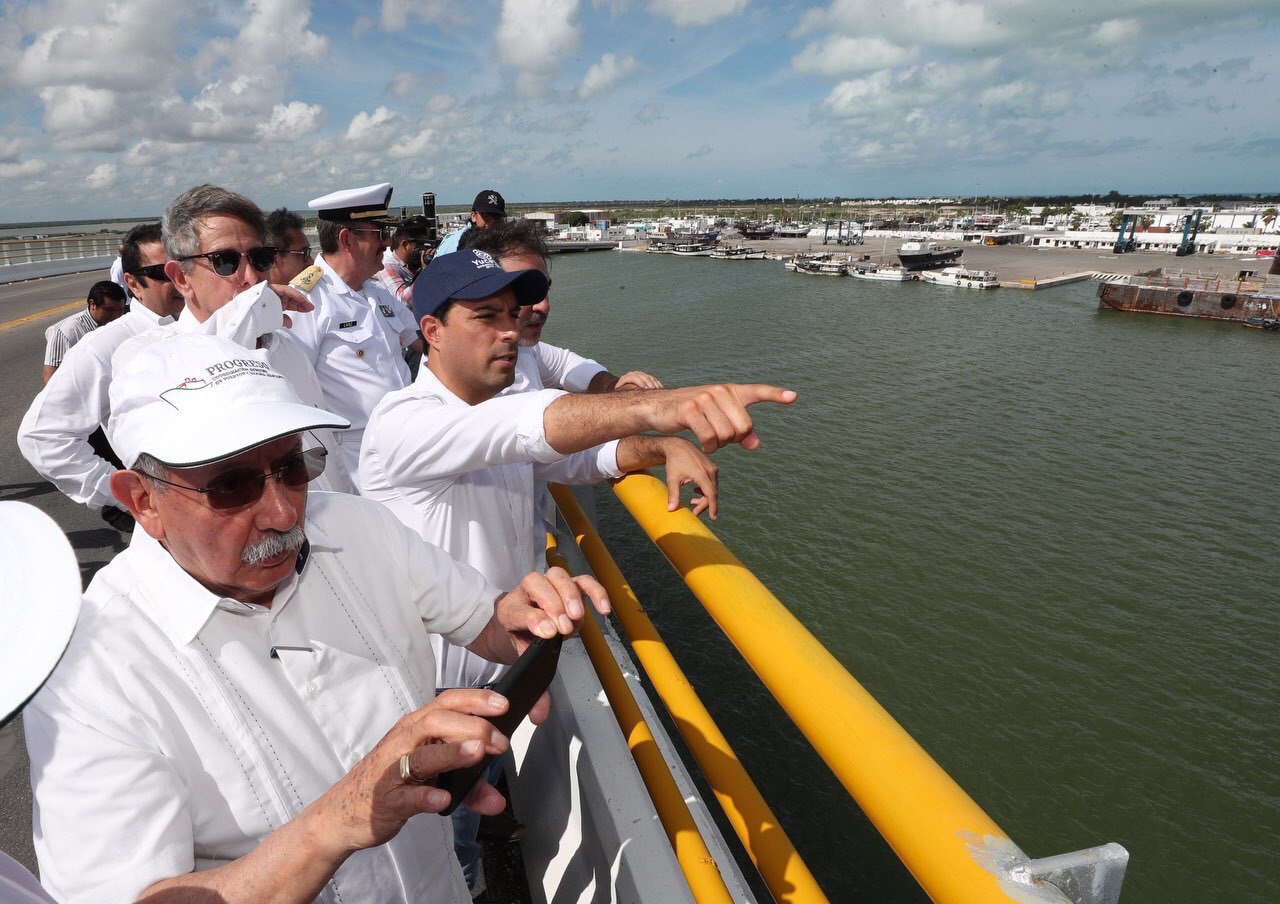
[427, 382]
[141, 312]
[339, 284]
[179, 604]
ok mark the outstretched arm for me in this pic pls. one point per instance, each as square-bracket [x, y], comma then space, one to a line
[716, 414]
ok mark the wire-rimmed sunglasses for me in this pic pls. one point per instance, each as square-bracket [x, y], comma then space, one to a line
[226, 263]
[246, 485]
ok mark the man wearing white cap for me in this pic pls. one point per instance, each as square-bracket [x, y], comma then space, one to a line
[247, 709]
[219, 258]
[356, 335]
[42, 599]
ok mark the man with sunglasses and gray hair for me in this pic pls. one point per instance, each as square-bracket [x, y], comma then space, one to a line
[61, 433]
[247, 710]
[218, 259]
[356, 335]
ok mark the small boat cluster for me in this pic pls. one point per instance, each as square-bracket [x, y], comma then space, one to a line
[916, 260]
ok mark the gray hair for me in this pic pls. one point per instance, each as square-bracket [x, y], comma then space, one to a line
[150, 466]
[179, 226]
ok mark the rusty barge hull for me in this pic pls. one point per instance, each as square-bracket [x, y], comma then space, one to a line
[1248, 302]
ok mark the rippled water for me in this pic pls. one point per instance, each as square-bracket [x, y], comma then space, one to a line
[1043, 536]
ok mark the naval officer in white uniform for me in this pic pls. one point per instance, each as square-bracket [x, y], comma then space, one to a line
[356, 336]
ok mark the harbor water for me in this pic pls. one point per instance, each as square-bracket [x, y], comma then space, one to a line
[1043, 536]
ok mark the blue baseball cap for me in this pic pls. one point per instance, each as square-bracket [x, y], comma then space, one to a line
[468, 275]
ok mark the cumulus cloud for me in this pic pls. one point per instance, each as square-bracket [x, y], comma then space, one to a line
[848, 55]
[534, 37]
[23, 169]
[696, 12]
[103, 176]
[605, 74]
[292, 121]
[371, 126]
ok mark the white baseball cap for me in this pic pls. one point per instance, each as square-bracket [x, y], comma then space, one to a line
[190, 400]
[40, 604]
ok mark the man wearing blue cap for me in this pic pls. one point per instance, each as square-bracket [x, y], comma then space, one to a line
[456, 460]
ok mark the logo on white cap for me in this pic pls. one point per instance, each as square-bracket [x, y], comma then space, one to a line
[217, 374]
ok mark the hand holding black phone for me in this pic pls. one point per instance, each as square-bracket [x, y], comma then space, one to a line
[522, 686]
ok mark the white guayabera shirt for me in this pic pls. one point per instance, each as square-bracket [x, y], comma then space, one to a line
[463, 476]
[172, 738]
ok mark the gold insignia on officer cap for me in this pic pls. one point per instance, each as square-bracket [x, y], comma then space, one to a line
[308, 279]
[364, 205]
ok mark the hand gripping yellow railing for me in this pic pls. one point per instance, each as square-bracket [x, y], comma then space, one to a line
[953, 849]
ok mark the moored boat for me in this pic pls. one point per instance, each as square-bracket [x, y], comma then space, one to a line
[869, 271]
[738, 253]
[927, 255]
[694, 249]
[820, 265]
[961, 278]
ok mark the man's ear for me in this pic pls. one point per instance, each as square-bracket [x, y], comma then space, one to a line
[431, 328]
[137, 494]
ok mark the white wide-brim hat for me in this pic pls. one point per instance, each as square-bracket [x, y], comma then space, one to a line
[192, 399]
[40, 602]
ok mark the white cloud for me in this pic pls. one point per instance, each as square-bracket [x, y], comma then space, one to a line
[696, 12]
[404, 84]
[414, 146]
[605, 74]
[534, 37]
[368, 126]
[649, 113]
[103, 176]
[292, 121]
[22, 170]
[847, 55]
[76, 111]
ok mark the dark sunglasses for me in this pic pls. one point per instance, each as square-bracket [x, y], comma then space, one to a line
[236, 488]
[226, 263]
[155, 271]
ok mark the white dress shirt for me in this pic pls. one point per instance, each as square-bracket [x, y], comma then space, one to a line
[463, 477]
[354, 341]
[171, 739]
[18, 886]
[117, 275]
[54, 433]
[255, 319]
[556, 367]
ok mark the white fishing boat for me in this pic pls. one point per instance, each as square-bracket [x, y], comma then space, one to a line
[738, 253]
[693, 250]
[961, 277]
[821, 265]
[870, 271]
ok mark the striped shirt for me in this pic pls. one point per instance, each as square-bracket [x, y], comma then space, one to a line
[65, 333]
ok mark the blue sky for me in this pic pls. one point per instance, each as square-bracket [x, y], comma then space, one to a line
[112, 108]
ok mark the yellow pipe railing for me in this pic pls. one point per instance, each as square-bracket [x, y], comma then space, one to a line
[945, 839]
[783, 870]
[695, 860]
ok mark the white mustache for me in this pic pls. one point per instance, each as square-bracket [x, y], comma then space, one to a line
[273, 544]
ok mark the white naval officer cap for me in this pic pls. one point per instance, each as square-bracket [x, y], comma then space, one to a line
[190, 400]
[362, 205]
[41, 601]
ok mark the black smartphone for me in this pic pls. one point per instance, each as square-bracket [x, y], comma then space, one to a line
[522, 685]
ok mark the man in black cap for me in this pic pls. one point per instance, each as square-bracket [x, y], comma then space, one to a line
[488, 208]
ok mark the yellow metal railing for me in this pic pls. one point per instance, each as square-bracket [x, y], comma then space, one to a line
[952, 848]
[696, 862]
[770, 849]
